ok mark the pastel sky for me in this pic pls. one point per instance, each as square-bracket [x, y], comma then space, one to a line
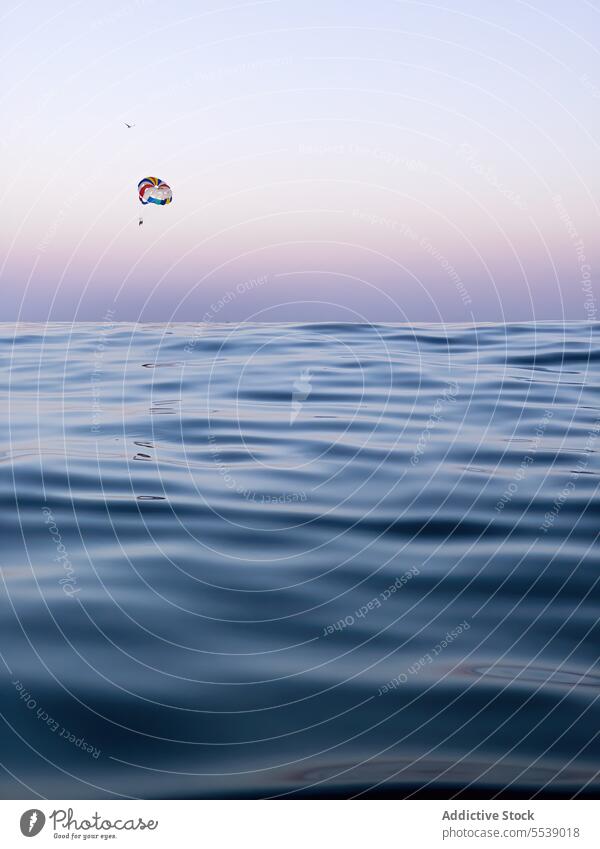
[329, 160]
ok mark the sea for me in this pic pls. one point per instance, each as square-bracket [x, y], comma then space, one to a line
[299, 560]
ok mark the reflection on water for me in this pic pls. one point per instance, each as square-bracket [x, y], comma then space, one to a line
[299, 559]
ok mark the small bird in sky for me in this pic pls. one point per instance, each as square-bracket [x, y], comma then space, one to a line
[140, 222]
[129, 126]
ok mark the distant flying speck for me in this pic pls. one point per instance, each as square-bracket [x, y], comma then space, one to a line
[129, 126]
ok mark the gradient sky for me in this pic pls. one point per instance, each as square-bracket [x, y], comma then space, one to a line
[329, 159]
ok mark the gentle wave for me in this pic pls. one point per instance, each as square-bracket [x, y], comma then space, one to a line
[300, 559]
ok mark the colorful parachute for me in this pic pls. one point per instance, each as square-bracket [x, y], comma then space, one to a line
[153, 190]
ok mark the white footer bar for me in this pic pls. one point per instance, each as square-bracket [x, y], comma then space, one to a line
[298, 824]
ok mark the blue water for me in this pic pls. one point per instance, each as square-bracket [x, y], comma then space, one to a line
[325, 559]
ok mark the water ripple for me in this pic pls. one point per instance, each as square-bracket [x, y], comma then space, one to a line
[300, 559]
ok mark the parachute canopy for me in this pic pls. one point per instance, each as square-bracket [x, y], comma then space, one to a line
[154, 190]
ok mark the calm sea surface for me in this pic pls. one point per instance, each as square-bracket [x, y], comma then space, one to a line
[331, 559]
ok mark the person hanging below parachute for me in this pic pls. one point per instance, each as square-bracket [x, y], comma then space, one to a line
[153, 190]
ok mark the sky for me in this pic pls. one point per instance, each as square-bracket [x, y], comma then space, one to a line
[329, 160]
